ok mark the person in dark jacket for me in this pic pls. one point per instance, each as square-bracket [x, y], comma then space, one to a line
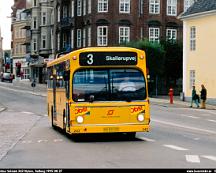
[194, 97]
[203, 96]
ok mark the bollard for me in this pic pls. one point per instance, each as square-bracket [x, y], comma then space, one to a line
[171, 95]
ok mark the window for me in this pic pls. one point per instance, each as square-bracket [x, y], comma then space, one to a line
[64, 40]
[171, 7]
[72, 38]
[105, 85]
[141, 3]
[79, 8]
[102, 5]
[154, 34]
[84, 7]
[44, 16]
[124, 6]
[34, 3]
[89, 6]
[171, 34]
[34, 22]
[26, 73]
[58, 42]
[59, 14]
[84, 37]
[89, 36]
[124, 34]
[79, 34]
[192, 78]
[193, 38]
[34, 44]
[102, 35]
[187, 4]
[72, 8]
[65, 11]
[43, 41]
[154, 6]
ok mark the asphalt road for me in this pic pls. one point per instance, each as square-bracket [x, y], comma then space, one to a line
[178, 138]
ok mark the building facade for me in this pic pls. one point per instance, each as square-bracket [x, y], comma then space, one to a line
[199, 49]
[85, 23]
[41, 37]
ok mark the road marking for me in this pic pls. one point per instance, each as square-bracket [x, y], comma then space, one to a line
[209, 157]
[146, 139]
[39, 141]
[2, 109]
[190, 116]
[26, 142]
[45, 115]
[193, 158]
[30, 113]
[212, 120]
[175, 147]
[58, 140]
[184, 127]
[196, 139]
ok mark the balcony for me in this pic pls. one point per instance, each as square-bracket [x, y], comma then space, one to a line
[66, 22]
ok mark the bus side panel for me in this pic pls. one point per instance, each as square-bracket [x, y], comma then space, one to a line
[60, 105]
[49, 102]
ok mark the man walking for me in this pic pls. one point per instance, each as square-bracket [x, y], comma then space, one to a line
[203, 96]
[194, 98]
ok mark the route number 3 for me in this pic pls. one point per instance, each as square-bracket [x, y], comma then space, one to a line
[90, 59]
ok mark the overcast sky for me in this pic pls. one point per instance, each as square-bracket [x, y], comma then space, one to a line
[5, 22]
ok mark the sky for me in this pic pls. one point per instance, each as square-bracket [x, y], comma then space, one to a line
[5, 22]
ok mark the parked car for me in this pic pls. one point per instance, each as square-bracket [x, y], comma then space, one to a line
[7, 77]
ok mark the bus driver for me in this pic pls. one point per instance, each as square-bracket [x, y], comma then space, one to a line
[127, 85]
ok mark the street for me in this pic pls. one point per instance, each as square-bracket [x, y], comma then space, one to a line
[180, 137]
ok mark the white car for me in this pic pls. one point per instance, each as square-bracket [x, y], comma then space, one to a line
[7, 77]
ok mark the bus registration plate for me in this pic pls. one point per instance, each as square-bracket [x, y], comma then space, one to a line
[111, 129]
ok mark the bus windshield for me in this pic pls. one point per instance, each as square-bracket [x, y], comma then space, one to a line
[108, 85]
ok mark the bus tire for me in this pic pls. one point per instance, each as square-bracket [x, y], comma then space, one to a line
[52, 118]
[64, 121]
[131, 135]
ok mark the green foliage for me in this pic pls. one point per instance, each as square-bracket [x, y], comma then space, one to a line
[155, 55]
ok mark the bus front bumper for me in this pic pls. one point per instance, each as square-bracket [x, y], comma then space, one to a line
[108, 129]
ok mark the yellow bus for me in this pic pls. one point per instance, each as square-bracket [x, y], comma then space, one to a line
[99, 90]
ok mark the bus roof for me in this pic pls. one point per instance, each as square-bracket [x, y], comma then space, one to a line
[95, 49]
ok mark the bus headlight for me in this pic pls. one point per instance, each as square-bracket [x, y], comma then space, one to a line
[80, 119]
[140, 117]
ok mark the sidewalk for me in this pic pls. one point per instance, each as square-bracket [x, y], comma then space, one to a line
[164, 101]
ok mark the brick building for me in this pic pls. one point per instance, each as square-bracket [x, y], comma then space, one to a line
[84, 23]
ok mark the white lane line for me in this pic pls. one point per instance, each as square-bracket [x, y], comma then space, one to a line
[146, 139]
[184, 127]
[175, 147]
[212, 120]
[26, 142]
[190, 116]
[193, 158]
[58, 140]
[45, 115]
[39, 141]
[209, 157]
[30, 113]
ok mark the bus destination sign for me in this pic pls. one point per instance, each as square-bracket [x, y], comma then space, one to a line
[107, 58]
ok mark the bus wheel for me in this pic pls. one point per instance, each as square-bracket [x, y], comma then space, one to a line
[131, 135]
[64, 121]
[52, 118]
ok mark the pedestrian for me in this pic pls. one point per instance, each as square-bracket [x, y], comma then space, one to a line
[203, 95]
[194, 98]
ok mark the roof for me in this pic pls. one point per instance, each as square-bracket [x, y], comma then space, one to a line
[200, 6]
